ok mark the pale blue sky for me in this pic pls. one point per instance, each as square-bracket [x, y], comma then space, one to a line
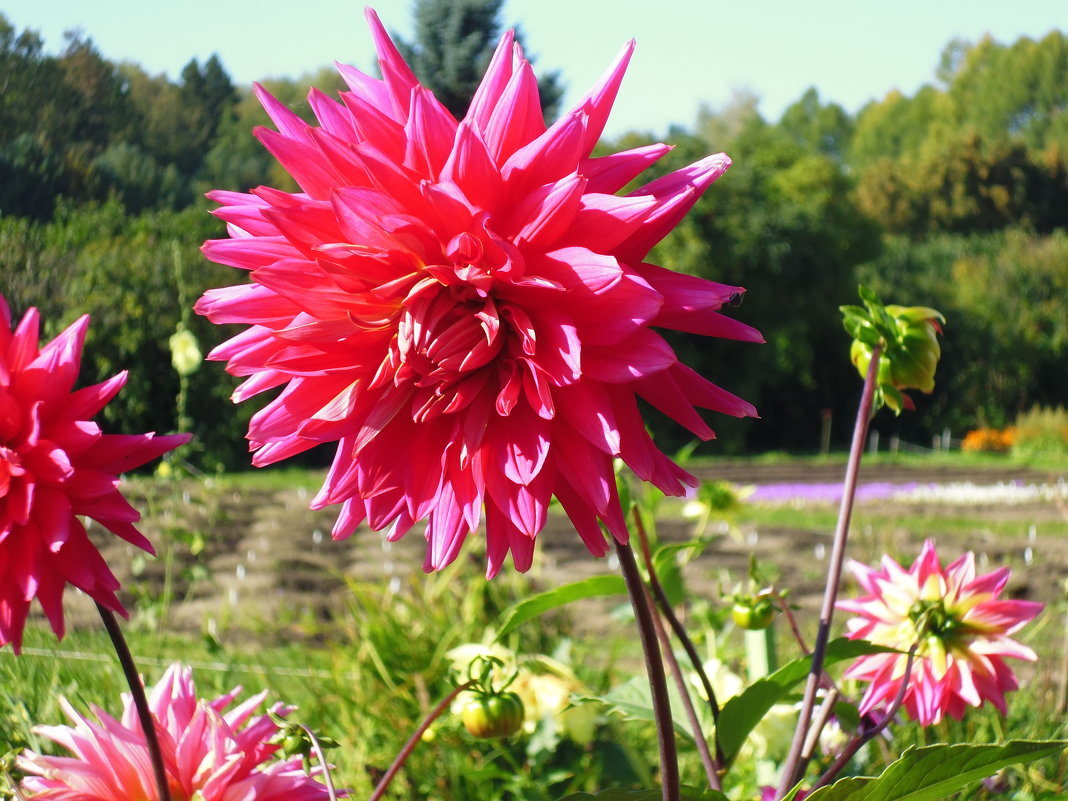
[689, 51]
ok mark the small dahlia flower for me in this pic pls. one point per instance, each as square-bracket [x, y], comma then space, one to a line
[959, 624]
[56, 465]
[465, 307]
[209, 753]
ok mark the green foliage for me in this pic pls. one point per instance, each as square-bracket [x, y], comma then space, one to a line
[528, 608]
[782, 223]
[1041, 432]
[745, 710]
[687, 794]
[1004, 294]
[928, 774]
[121, 270]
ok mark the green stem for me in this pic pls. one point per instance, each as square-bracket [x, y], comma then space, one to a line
[137, 689]
[318, 748]
[413, 741]
[794, 766]
[654, 666]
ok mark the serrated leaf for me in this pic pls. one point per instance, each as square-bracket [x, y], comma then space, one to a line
[592, 587]
[745, 710]
[688, 794]
[934, 772]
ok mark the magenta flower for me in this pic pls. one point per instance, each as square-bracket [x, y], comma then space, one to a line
[56, 465]
[961, 627]
[465, 307]
[209, 754]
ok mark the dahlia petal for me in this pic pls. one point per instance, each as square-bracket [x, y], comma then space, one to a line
[548, 158]
[596, 103]
[120, 453]
[640, 355]
[702, 392]
[608, 174]
[248, 254]
[289, 124]
[471, 167]
[487, 97]
[602, 222]
[517, 119]
[313, 175]
[430, 132]
[245, 302]
[52, 373]
[677, 191]
[664, 393]
[332, 116]
[547, 212]
[397, 76]
[374, 128]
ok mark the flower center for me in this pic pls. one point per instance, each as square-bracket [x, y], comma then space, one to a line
[930, 618]
[448, 331]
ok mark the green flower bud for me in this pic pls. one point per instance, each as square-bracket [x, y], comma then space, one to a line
[909, 348]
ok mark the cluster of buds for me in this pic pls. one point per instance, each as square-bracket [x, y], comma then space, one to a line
[907, 341]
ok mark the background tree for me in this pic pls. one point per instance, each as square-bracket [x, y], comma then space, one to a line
[454, 41]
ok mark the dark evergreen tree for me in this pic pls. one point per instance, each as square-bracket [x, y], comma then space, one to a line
[454, 41]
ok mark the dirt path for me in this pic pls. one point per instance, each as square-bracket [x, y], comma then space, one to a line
[268, 560]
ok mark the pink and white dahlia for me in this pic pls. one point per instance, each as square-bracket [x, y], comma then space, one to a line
[209, 753]
[961, 626]
[465, 307]
[56, 465]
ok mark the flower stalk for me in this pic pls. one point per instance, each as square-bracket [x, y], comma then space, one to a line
[795, 764]
[413, 741]
[654, 666]
[137, 690]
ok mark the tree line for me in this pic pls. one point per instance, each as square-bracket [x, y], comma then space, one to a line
[955, 197]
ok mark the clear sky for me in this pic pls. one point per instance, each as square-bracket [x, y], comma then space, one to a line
[690, 52]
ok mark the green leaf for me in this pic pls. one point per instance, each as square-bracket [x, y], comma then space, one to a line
[536, 605]
[668, 571]
[632, 700]
[688, 794]
[745, 710]
[927, 774]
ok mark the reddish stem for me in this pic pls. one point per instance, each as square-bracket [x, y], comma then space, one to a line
[406, 751]
[137, 690]
[794, 767]
[654, 666]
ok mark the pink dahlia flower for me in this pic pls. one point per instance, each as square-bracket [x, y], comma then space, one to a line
[465, 307]
[209, 754]
[961, 626]
[56, 465]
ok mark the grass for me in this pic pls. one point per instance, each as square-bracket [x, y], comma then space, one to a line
[367, 677]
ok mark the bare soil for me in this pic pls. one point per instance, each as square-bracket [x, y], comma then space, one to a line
[268, 561]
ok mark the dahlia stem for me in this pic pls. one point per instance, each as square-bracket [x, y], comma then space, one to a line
[858, 741]
[711, 768]
[664, 604]
[413, 741]
[317, 747]
[795, 766]
[676, 624]
[137, 689]
[654, 667]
